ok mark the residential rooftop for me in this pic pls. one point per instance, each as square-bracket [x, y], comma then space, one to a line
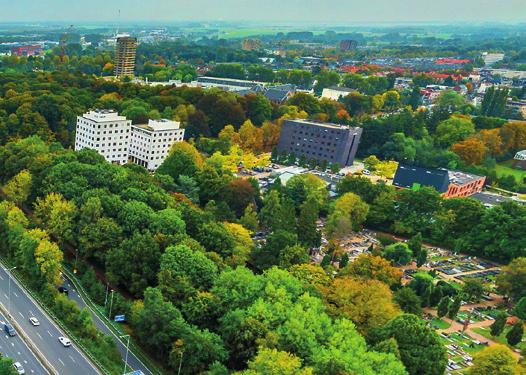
[318, 123]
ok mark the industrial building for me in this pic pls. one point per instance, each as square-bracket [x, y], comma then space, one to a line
[125, 52]
[320, 141]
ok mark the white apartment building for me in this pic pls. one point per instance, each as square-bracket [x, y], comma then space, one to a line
[151, 143]
[106, 132]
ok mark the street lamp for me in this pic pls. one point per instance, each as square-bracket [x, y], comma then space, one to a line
[76, 258]
[111, 303]
[127, 349]
[8, 271]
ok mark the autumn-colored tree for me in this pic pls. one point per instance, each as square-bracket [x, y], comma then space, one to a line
[184, 159]
[238, 194]
[513, 135]
[275, 362]
[18, 188]
[56, 215]
[368, 266]
[471, 151]
[251, 137]
[368, 303]
[492, 140]
[271, 133]
[49, 258]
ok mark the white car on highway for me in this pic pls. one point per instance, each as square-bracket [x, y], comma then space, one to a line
[34, 321]
[18, 368]
[64, 341]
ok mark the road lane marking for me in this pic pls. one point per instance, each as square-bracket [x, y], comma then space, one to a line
[13, 344]
[6, 296]
[21, 315]
[72, 359]
[61, 362]
[31, 312]
[16, 295]
[25, 361]
[1, 277]
[38, 334]
[49, 333]
[19, 353]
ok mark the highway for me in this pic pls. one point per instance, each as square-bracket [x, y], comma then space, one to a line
[66, 361]
[15, 348]
[133, 362]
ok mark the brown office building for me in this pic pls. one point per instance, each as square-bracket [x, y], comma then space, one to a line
[125, 56]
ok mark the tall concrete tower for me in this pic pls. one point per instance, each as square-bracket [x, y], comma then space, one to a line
[125, 51]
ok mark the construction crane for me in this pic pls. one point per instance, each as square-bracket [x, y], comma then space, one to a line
[64, 41]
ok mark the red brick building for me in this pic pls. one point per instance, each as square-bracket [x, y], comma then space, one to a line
[448, 183]
[26, 51]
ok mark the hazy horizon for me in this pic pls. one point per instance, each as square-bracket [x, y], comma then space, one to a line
[292, 11]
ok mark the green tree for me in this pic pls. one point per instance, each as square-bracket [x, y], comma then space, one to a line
[473, 289]
[514, 335]
[275, 362]
[398, 253]
[415, 244]
[512, 280]
[408, 301]
[348, 213]
[184, 159]
[420, 348]
[250, 219]
[498, 325]
[520, 308]
[453, 130]
[443, 306]
[496, 360]
[308, 233]
[454, 307]
[57, 216]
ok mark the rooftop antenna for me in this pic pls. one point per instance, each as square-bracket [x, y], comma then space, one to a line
[117, 26]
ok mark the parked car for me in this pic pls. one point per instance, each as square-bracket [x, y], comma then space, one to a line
[34, 321]
[64, 341]
[8, 328]
[63, 289]
[19, 368]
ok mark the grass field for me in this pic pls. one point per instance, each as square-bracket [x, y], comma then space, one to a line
[501, 338]
[439, 323]
[504, 168]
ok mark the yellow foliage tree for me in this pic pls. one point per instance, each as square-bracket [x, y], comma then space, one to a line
[18, 188]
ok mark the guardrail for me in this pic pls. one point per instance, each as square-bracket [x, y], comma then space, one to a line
[116, 329]
[57, 321]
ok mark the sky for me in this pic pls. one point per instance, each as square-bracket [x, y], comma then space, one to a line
[318, 11]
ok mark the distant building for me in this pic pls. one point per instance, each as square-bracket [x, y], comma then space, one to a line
[26, 51]
[125, 51]
[491, 58]
[448, 183]
[280, 94]
[251, 44]
[227, 84]
[519, 161]
[321, 141]
[336, 93]
[151, 143]
[106, 132]
[348, 45]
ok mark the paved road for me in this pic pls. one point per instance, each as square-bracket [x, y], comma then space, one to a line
[16, 349]
[133, 362]
[66, 361]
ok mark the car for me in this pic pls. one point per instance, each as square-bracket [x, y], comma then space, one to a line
[63, 289]
[19, 368]
[366, 172]
[34, 321]
[64, 341]
[8, 328]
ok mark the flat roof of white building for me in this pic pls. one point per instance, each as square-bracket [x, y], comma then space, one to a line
[103, 115]
[159, 125]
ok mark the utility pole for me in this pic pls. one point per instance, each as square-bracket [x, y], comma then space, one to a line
[8, 271]
[127, 349]
[106, 297]
[111, 303]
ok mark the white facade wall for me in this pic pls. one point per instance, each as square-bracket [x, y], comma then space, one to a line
[150, 144]
[105, 132]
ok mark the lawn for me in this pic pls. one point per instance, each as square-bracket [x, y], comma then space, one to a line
[439, 323]
[501, 338]
[504, 168]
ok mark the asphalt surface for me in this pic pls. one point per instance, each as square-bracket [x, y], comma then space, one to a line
[66, 361]
[16, 349]
[133, 362]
